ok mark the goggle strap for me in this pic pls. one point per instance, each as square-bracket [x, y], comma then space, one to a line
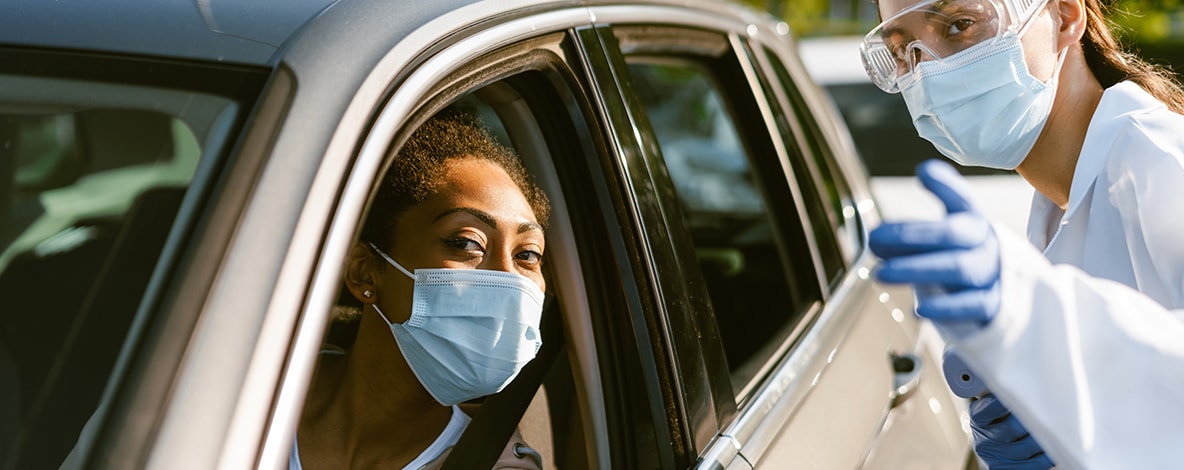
[1027, 10]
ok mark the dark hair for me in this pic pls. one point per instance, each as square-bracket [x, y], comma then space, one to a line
[415, 173]
[1111, 64]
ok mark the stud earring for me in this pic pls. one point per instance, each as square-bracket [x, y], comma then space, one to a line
[366, 293]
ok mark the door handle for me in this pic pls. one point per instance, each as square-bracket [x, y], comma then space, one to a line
[906, 377]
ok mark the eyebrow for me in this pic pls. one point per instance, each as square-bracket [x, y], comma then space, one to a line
[488, 219]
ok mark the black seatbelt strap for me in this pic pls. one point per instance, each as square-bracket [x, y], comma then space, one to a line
[489, 431]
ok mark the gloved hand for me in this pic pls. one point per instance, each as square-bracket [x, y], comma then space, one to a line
[953, 263]
[1001, 441]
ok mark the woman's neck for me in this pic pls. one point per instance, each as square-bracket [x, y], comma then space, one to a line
[1050, 165]
[368, 406]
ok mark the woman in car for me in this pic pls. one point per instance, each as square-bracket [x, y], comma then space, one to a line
[1084, 346]
[449, 275]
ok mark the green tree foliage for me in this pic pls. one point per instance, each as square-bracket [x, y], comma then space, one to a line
[1149, 21]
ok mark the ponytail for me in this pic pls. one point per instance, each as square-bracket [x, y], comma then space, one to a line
[1110, 64]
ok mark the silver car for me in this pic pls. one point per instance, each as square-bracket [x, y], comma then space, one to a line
[180, 182]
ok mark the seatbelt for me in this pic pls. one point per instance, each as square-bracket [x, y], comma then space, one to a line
[490, 430]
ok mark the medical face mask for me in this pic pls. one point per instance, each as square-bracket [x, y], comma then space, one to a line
[981, 107]
[470, 331]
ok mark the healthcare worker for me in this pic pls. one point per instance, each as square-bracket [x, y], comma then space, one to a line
[1084, 345]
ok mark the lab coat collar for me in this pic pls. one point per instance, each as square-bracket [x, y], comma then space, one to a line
[1122, 99]
[1118, 102]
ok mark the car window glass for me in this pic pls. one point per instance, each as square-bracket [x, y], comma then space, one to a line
[91, 181]
[836, 224]
[759, 275]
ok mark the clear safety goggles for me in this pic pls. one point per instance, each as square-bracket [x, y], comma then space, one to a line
[937, 30]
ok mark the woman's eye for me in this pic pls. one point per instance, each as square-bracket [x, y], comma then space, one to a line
[959, 26]
[530, 256]
[465, 244]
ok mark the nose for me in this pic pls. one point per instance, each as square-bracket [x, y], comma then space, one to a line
[498, 259]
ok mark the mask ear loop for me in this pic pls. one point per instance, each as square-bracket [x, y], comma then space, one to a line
[1056, 72]
[396, 265]
[1040, 5]
[384, 318]
[391, 261]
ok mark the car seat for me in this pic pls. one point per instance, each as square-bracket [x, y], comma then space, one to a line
[89, 333]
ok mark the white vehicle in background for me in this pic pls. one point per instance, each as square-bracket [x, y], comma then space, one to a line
[889, 146]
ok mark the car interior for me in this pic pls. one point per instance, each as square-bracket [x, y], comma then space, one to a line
[91, 188]
[541, 403]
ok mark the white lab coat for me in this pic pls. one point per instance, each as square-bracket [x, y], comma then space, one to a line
[1094, 369]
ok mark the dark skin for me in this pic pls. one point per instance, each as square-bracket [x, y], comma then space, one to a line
[373, 412]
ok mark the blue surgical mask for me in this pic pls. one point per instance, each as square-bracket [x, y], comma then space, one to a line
[470, 331]
[981, 107]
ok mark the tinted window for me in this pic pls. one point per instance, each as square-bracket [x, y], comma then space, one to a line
[836, 226]
[91, 180]
[729, 183]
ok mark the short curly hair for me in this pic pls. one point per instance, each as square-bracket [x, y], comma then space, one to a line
[416, 172]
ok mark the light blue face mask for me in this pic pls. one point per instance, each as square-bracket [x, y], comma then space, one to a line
[471, 330]
[981, 107]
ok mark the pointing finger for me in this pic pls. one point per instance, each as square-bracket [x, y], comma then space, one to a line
[947, 184]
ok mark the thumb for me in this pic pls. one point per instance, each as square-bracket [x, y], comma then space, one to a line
[941, 179]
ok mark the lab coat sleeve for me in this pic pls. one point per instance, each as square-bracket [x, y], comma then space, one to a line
[1093, 368]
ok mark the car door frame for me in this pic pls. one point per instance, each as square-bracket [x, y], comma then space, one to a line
[717, 448]
[745, 439]
[202, 386]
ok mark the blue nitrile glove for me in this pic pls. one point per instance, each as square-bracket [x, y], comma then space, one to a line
[953, 263]
[1001, 441]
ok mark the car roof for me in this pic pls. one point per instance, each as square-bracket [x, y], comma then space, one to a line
[833, 60]
[248, 32]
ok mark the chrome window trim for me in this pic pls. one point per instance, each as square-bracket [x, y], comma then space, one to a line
[714, 15]
[314, 310]
[632, 173]
[776, 401]
[844, 156]
[791, 179]
[819, 163]
[723, 452]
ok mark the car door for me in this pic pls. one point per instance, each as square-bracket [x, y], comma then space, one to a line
[218, 377]
[820, 367]
[926, 424]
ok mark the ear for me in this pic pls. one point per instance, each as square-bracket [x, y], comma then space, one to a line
[361, 270]
[1072, 21]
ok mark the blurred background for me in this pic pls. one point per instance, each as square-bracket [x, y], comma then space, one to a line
[829, 33]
